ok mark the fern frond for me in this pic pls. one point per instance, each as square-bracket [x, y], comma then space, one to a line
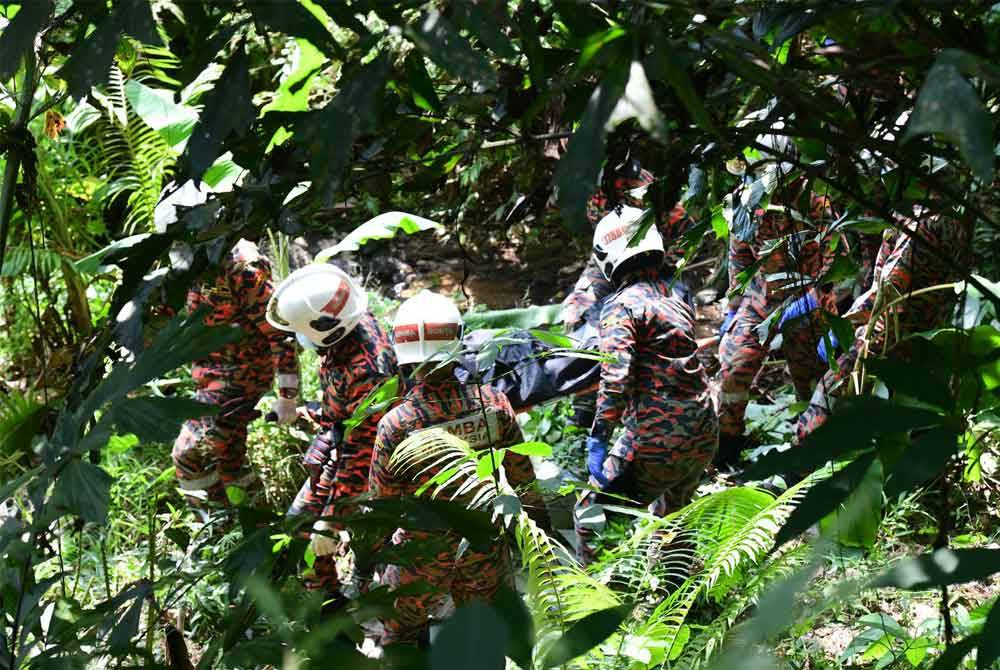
[702, 550]
[708, 640]
[559, 592]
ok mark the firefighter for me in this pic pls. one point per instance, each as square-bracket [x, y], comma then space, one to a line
[792, 262]
[210, 453]
[913, 256]
[427, 331]
[328, 311]
[627, 187]
[654, 384]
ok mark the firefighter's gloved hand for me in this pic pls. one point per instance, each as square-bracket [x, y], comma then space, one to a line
[324, 542]
[821, 351]
[319, 452]
[799, 307]
[285, 409]
[288, 393]
[597, 451]
[727, 322]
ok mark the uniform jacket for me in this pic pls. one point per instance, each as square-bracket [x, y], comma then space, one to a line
[239, 295]
[350, 370]
[458, 409]
[649, 334]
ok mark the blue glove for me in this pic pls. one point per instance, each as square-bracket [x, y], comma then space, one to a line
[597, 451]
[727, 323]
[800, 307]
[821, 347]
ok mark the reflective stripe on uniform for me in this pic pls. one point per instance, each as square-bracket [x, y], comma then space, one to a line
[199, 484]
[734, 397]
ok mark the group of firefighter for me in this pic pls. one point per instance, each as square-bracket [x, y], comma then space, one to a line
[655, 424]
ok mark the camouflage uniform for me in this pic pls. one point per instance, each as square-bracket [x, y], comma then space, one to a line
[789, 272]
[656, 386]
[473, 574]
[349, 370]
[593, 288]
[210, 452]
[903, 266]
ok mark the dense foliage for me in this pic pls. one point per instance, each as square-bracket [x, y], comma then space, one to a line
[494, 119]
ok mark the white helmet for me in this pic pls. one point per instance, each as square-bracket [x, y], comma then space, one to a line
[319, 302]
[612, 236]
[427, 327]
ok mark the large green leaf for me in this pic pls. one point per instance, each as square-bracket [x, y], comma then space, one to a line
[156, 107]
[438, 40]
[516, 617]
[989, 642]
[851, 428]
[91, 60]
[228, 108]
[476, 18]
[523, 318]
[376, 402]
[83, 489]
[18, 36]
[382, 227]
[943, 567]
[421, 85]
[92, 263]
[576, 174]
[473, 637]
[949, 106]
[586, 634]
[666, 64]
[183, 340]
[293, 94]
[293, 19]
[329, 134]
[923, 460]
[157, 419]
[824, 498]
[855, 522]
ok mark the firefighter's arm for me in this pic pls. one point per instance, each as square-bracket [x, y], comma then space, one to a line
[254, 287]
[741, 257]
[381, 483]
[618, 343]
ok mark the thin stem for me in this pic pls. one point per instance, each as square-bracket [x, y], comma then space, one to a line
[11, 170]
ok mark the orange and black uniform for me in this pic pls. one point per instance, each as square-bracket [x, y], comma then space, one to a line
[349, 370]
[655, 385]
[792, 260]
[210, 452]
[905, 264]
[483, 417]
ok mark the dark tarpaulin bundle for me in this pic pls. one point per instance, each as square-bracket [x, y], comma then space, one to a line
[528, 370]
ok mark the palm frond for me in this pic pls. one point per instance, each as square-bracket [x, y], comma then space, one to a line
[449, 461]
[17, 260]
[20, 419]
